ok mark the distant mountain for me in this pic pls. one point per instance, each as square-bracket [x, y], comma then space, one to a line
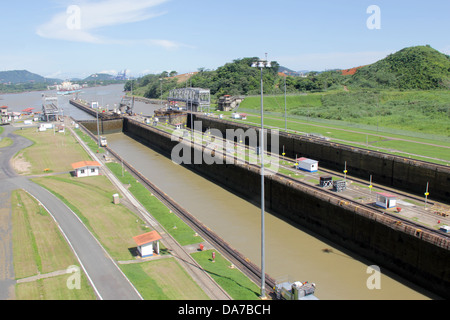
[292, 72]
[24, 76]
[99, 77]
[419, 67]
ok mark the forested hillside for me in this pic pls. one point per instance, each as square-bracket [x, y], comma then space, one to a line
[23, 76]
[421, 68]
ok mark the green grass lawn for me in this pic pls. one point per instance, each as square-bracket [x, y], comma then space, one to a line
[39, 248]
[114, 225]
[53, 151]
[232, 280]
[163, 280]
[420, 148]
[5, 142]
[182, 233]
[418, 111]
[54, 288]
[92, 145]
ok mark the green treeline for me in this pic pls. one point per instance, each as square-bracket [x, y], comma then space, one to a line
[22, 87]
[414, 68]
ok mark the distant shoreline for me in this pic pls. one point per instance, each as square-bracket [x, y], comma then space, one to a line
[45, 91]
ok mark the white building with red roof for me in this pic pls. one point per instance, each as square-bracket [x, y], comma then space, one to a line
[86, 168]
[148, 243]
[386, 200]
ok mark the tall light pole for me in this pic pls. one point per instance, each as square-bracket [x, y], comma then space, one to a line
[285, 103]
[261, 64]
[160, 101]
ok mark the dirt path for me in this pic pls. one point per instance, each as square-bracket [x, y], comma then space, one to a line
[20, 165]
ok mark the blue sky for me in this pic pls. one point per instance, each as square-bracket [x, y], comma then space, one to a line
[73, 38]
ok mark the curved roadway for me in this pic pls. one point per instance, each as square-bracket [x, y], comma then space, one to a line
[104, 275]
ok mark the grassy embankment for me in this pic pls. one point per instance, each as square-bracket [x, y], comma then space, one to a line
[114, 225]
[416, 111]
[421, 117]
[50, 152]
[4, 142]
[232, 280]
[40, 248]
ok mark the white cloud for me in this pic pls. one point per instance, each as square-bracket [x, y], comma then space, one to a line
[81, 23]
[446, 50]
[54, 75]
[332, 60]
[111, 72]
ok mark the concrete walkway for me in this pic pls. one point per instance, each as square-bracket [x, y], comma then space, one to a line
[43, 276]
[203, 279]
[104, 275]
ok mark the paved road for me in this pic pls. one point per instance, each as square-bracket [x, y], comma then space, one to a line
[106, 278]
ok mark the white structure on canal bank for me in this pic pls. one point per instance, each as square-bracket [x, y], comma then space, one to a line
[86, 168]
[308, 165]
[386, 200]
[148, 243]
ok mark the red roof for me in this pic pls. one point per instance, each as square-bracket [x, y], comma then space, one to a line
[3, 107]
[28, 110]
[83, 164]
[147, 238]
[387, 195]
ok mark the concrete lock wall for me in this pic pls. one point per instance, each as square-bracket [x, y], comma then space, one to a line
[104, 126]
[418, 256]
[84, 107]
[390, 170]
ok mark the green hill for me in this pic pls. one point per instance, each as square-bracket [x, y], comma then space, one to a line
[23, 76]
[420, 67]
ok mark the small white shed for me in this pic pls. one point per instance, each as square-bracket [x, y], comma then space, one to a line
[445, 229]
[386, 200]
[306, 164]
[86, 168]
[148, 243]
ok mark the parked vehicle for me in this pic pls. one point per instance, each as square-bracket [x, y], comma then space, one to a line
[295, 291]
[103, 142]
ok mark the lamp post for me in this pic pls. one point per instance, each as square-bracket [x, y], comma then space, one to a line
[285, 104]
[261, 64]
[160, 101]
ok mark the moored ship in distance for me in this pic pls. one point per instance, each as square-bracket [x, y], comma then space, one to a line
[68, 88]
